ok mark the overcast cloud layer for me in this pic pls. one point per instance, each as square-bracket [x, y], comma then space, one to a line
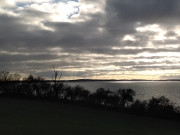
[98, 39]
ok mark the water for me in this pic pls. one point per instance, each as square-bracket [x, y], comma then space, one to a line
[144, 89]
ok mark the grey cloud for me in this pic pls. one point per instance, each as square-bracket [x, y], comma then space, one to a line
[152, 67]
[95, 36]
[123, 15]
[170, 77]
[25, 58]
[124, 63]
[171, 33]
[71, 37]
[155, 62]
[33, 14]
[142, 65]
[16, 35]
[144, 11]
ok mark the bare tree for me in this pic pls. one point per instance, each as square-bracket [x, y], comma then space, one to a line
[4, 75]
[57, 86]
[56, 76]
[7, 76]
[16, 77]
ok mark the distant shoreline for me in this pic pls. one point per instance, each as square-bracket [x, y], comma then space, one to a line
[93, 80]
[80, 80]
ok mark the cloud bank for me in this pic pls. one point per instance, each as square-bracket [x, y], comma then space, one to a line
[98, 39]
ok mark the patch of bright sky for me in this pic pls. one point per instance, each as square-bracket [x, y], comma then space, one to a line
[177, 30]
[11, 2]
[129, 37]
[157, 29]
[56, 10]
[168, 54]
[60, 10]
[153, 28]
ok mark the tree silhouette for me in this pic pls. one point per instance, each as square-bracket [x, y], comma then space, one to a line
[100, 96]
[7, 76]
[67, 92]
[37, 87]
[160, 106]
[15, 77]
[84, 95]
[80, 93]
[112, 100]
[34, 85]
[139, 107]
[9, 83]
[125, 95]
[57, 86]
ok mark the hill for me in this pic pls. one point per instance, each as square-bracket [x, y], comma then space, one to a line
[31, 117]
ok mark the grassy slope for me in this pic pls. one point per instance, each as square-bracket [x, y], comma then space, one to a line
[24, 117]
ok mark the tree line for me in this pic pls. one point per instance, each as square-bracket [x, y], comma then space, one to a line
[55, 90]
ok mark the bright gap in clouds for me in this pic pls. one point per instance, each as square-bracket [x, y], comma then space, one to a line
[56, 10]
[38, 12]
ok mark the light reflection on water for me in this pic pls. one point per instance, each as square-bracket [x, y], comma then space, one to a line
[144, 89]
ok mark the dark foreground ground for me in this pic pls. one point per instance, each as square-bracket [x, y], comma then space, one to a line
[30, 117]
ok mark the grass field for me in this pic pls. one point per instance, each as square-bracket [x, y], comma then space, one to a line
[30, 117]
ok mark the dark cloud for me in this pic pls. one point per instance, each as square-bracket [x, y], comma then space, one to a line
[144, 11]
[27, 57]
[81, 47]
[152, 67]
[125, 15]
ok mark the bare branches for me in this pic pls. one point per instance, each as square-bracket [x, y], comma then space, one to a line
[57, 75]
[4, 76]
[57, 86]
[7, 76]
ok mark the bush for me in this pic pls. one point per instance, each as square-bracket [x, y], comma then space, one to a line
[160, 107]
[139, 107]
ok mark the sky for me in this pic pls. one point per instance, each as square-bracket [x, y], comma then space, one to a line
[91, 39]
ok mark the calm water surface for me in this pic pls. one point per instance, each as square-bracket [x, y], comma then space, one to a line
[144, 89]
